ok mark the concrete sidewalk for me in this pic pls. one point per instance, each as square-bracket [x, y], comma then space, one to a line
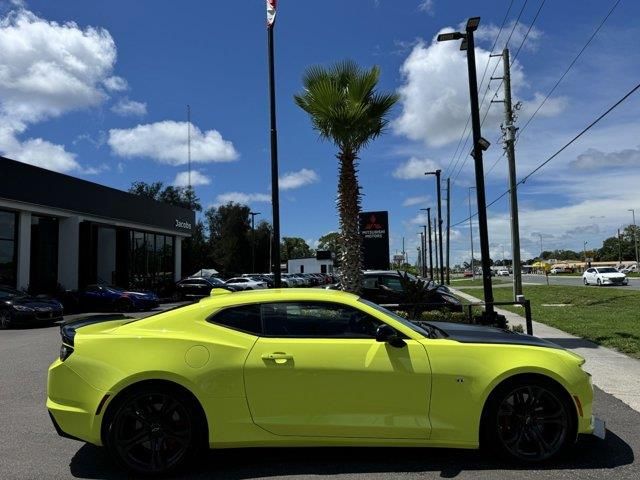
[612, 371]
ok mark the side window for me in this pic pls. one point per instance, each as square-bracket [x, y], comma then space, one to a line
[393, 283]
[245, 319]
[317, 320]
[370, 282]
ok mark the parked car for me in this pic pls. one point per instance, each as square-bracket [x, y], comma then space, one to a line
[556, 270]
[198, 287]
[244, 283]
[503, 272]
[604, 276]
[629, 269]
[18, 307]
[384, 287]
[314, 367]
[100, 298]
[467, 273]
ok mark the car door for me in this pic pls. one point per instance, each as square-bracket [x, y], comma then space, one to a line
[318, 371]
[591, 275]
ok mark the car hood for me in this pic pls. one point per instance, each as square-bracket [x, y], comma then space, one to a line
[35, 302]
[466, 333]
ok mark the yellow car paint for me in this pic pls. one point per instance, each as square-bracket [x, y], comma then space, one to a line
[264, 391]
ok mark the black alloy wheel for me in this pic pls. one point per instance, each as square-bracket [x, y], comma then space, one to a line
[531, 421]
[5, 319]
[123, 305]
[153, 432]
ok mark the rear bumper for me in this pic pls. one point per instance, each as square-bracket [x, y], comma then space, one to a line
[72, 404]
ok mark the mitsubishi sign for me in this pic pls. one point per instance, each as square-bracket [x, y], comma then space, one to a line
[374, 229]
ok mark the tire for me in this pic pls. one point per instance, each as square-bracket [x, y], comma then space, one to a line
[152, 419]
[529, 419]
[5, 319]
[598, 282]
[123, 305]
[585, 281]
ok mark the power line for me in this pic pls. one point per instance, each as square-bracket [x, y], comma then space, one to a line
[569, 67]
[559, 151]
[528, 31]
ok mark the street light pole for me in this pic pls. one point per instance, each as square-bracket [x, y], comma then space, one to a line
[253, 241]
[479, 144]
[584, 252]
[428, 210]
[421, 253]
[424, 251]
[473, 272]
[439, 194]
[540, 235]
[635, 237]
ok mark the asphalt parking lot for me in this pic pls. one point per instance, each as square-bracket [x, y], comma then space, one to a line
[31, 449]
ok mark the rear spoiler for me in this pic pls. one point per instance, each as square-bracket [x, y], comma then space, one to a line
[68, 330]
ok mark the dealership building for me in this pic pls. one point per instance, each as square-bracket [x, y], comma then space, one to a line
[61, 230]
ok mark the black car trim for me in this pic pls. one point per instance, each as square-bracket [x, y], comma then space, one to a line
[68, 330]
[59, 430]
[466, 333]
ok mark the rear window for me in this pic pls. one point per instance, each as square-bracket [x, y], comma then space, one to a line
[245, 319]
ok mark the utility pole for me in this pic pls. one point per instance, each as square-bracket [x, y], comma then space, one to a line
[439, 239]
[448, 226]
[473, 271]
[421, 252]
[253, 241]
[189, 143]
[404, 254]
[428, 210]
[435, 245]
[509, 146]
[619, 248]
[424, 251]
[635, 238]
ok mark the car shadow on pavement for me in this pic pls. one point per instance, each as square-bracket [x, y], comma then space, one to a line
[242, 464]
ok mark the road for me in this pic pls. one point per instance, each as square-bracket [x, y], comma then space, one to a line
[634, 283]
[30, 448]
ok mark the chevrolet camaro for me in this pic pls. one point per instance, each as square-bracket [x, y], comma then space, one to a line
[300, 367]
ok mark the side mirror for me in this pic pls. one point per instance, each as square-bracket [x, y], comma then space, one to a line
[386, 334]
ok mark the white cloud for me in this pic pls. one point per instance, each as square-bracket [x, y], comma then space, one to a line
[197, 178]
[166, 142]
[126, 107]
[513, 32]
[115, 84]
[411, 201]
[435, 93]
[415, 168]
[291, 180]
[594, 159]
[426, 6]
[244, 198]
[48, 69]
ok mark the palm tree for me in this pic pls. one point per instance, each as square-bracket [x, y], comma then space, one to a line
[346, 109]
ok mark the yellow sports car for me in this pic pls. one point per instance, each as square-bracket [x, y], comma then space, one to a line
[309, 367]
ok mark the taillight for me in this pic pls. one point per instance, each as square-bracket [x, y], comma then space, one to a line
[65, 351]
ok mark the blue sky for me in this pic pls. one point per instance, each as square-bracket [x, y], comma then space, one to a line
[99, 90]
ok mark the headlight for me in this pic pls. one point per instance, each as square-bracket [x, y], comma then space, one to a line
[22, 308]
[65, 351]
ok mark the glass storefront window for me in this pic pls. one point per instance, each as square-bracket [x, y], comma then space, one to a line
[8, 248]
[43, 277]
[151, 262]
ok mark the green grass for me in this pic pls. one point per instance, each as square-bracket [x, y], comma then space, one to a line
[607, 316]
[469, 282]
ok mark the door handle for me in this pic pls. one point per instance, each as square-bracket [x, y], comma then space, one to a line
[277, 357]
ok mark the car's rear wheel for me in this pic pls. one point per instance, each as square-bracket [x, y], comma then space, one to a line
[529, 419]
[124, 305]
[154, 430]
[5, 319]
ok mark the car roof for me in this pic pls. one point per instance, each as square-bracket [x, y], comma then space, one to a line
[279, 295]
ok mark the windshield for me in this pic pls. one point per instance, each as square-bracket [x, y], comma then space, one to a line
[216, 281]
[398, 318]
[607, 270]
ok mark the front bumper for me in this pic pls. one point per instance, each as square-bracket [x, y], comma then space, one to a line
[33, 318]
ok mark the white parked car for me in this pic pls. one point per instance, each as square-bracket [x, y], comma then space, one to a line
[243, 283]
[604, 276]
[503, 272]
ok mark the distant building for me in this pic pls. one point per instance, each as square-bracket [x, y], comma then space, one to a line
[310, 265]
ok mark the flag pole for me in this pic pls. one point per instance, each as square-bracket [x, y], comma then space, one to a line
[275, 197]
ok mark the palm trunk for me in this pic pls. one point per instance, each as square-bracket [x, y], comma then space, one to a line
[349, 209]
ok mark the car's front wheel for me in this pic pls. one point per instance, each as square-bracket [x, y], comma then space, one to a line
[599, 282]
[529, 419]
[153, 430]
[5, 319]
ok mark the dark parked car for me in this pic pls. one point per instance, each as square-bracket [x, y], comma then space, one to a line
[385, 287]
[100, 298]
[198, 287]
[17, 307]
